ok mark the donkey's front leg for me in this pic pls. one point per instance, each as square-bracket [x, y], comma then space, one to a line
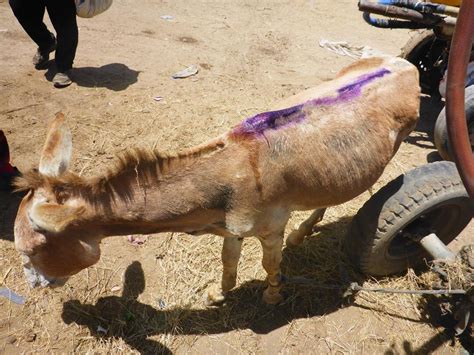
[230, 259]
[272, 256]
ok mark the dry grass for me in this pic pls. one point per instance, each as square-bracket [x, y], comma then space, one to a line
[112, 307]
[149, 298]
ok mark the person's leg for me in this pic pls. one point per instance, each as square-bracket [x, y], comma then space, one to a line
[30, 16]
[63, 17]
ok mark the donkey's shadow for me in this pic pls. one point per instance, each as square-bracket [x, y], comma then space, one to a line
[125, 317]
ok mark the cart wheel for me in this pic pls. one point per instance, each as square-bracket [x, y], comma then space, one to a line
[429, 54]
[430, 198]
[441, 138]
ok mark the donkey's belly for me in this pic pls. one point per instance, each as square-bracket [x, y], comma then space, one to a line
[335, 182]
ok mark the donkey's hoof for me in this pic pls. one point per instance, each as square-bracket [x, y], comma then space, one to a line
[295, 238]
[272, 298]
[214, 297]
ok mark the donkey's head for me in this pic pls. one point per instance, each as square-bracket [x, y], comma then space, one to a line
[52, 247]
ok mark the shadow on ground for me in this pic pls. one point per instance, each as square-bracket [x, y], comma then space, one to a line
[320, 258]
[114, 76]
[125, 317]
[429, 111]
[434, 312]
[9, 203]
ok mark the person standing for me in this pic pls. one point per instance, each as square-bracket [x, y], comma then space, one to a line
[62, 13]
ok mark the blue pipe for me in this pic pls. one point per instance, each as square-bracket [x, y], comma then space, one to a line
[389, 23]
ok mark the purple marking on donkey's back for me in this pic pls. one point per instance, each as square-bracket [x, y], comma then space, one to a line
[258, 124]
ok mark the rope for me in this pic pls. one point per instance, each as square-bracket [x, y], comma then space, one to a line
[354, 287]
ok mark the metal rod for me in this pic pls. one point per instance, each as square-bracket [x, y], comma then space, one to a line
[398, 12]
[298, 280]
[414, 292]
[423, 7]
[436, 248]
[389, 23]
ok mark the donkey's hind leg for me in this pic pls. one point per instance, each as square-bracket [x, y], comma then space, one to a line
[296, 237]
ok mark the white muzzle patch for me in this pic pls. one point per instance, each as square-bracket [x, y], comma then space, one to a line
[35, 278]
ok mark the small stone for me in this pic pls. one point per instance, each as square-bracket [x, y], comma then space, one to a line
[115, 288]
[11, 339]
[30, 337]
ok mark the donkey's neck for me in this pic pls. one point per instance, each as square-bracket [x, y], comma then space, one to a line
[149, 194]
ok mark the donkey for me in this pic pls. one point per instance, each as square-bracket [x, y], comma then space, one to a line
[319, 148]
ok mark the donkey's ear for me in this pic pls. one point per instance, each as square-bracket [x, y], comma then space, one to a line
[52, 217]
[57, 149]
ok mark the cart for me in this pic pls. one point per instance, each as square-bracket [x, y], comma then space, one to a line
[428, 50]
[414, 217]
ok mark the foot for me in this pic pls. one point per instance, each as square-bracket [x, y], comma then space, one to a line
[214, 296]
[271, 297]
[61, 80]
[41, 58]
[295, 238]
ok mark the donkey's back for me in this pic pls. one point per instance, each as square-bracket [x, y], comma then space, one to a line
[332, 142]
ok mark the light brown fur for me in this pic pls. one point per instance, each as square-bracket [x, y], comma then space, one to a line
[234, 186]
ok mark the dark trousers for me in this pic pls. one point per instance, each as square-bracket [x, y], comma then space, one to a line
[62, 13]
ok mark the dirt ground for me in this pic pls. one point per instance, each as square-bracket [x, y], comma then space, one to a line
[148, 298]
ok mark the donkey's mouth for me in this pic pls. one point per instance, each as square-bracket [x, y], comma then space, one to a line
[36, 278]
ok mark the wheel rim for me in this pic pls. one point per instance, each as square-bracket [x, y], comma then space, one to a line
[446, 220]
[431, 60]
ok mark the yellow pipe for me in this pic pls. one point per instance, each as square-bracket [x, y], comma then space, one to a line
[448, 2]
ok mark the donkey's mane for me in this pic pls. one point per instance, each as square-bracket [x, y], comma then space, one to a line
[145, 165]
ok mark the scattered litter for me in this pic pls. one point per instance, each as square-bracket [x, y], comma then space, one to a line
[137, 240]
[115, 288]
[345, 49]
[12, 296]
[161, 303]
[101, 329]
[167, 17]
[189, 71]
[158, 98]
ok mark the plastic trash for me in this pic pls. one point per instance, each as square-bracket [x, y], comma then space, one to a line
[137, 240]
[185, 73]
[101, 329]
[12, 296]
[346, 49]
[161, 303]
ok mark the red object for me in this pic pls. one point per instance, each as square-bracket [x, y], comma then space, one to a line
[460, 52]
[5, 166]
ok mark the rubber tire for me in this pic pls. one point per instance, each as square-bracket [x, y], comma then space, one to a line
[398, 204]
[441, 139]
[415, 50]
